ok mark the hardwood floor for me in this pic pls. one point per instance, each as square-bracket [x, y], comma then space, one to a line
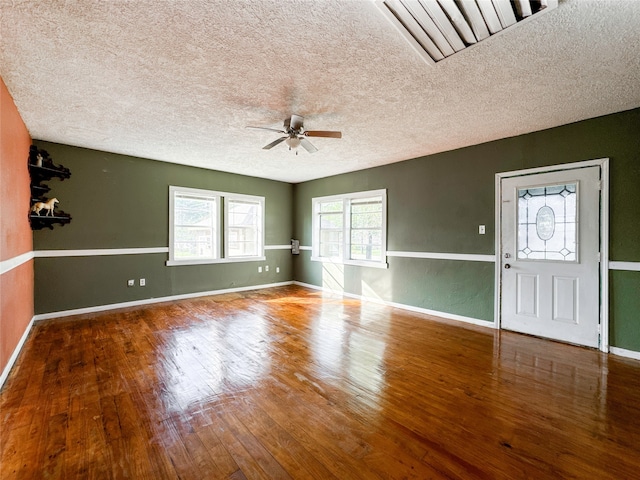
[290, 383]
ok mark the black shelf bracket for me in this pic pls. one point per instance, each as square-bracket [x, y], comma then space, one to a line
[42, 212]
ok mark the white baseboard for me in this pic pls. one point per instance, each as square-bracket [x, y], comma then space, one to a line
[101, 308]
[625, 353]
[147, 301]
[411, 308]
[16, 352]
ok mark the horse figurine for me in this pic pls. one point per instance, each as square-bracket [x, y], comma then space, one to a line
[48, 205]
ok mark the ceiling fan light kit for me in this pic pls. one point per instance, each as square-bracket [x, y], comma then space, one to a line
[296, 135]
[293, 142]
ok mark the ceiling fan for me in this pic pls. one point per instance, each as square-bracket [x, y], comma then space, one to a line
[296, 135]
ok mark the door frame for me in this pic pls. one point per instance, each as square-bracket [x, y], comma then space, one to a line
[603, 163]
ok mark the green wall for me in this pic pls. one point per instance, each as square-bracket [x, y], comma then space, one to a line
[624, 288]
[118, 201]
[436, 203]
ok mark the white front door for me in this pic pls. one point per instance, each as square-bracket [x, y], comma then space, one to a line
[549, 254]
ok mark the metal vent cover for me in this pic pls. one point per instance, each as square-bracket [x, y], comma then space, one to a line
[436, 29]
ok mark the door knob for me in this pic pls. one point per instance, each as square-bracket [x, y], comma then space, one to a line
[506, 265]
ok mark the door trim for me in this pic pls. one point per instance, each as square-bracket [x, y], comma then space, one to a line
[603, 163]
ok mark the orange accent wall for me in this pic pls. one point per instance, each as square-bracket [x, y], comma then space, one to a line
[17, 308]
[16, 285]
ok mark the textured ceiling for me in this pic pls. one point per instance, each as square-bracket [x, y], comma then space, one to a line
[178, 81]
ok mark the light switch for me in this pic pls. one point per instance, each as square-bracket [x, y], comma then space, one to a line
[481, 230]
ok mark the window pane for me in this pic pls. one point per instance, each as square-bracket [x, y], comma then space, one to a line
[366, 220]
[193, 242]
[333, 250]
[194, 227]
[366, 228]
[331, 236]
[331, 220]
[335, 206]
[366, 244]
[244, 226]
[547, 223]
[191, 211]
[331, 229]
[331, 243]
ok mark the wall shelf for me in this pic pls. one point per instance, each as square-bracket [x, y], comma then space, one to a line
[39, 222]
[42, 169]
[48, 172]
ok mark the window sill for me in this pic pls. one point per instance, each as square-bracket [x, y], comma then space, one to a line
[357, 263]
[178, 263]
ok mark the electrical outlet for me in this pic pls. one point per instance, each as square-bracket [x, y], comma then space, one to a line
[277, 269]
[259, 269]
[131, 283]
[266, 269]
[143, 282]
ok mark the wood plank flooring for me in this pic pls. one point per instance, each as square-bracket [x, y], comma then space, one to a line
[288, 383]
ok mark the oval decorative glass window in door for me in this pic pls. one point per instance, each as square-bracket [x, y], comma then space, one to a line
[548, 223]
[545, 223]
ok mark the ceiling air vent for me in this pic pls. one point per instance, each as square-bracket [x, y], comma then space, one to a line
[437, 29]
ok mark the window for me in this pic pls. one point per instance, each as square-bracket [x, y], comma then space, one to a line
[331, 224]
[195, 233]
[244, 227]
[351, 228]
[548, 223]
[195, 225]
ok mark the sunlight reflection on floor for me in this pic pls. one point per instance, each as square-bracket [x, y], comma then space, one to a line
[195, 374]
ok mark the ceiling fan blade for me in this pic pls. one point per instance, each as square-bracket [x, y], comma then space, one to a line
[308, 146]
[279, 130]
[295, 122]
[274, 143]
[323, 133]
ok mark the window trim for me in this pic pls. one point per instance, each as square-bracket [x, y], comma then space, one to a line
[220, 227]
[347, 198]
